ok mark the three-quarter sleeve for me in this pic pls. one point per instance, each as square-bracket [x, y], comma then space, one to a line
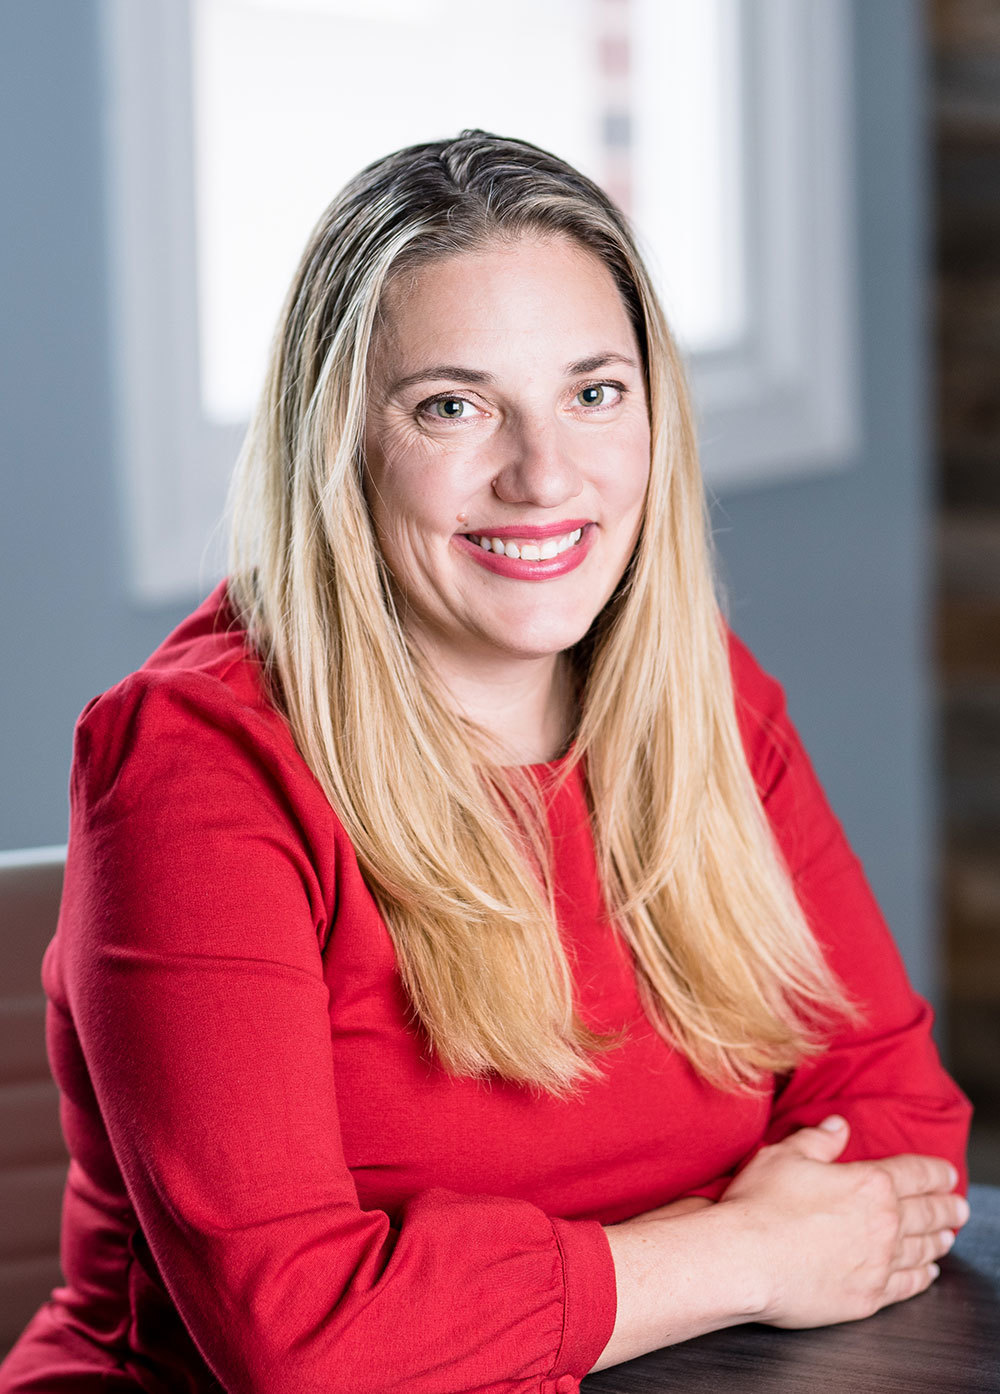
[192, 937]
[884, 1075]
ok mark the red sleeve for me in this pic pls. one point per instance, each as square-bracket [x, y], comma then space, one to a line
[194, 974]
[884, 1076]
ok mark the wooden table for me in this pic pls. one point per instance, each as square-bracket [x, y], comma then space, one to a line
[946, 1341]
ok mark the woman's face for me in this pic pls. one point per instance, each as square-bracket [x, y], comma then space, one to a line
[507, 449]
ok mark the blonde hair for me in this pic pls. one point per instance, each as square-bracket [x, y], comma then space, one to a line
[452, 843]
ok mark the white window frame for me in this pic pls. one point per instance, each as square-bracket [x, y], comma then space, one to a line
[782, 403]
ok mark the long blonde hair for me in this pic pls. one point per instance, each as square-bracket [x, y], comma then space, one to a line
[451, 842]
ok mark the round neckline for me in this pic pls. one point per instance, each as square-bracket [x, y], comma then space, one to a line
[553, 765]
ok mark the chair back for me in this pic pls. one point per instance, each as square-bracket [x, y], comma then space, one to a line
[33, 1156]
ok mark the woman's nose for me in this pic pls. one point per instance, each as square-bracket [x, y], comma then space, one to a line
[537, 469]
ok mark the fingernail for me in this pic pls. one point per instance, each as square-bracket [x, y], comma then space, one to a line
[963, 1209]
[833, 1124]
[954, 1175]
[935, 1271]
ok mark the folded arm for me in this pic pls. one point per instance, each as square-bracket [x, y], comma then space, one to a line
[885, 1075]
[194, 975]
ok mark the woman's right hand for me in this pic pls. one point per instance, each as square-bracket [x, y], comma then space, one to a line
[837, 1243]
[794, 1241]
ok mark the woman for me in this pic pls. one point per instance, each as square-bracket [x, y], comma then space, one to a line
[461, 981]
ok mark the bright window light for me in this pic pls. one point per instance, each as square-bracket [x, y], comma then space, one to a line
[688, 171]
[292, 97]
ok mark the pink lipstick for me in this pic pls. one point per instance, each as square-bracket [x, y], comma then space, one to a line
[482, 548]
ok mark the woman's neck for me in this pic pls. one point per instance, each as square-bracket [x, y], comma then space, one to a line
[527, 705]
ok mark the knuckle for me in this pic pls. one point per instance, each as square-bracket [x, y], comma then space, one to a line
[904, 1284]
[938, 1175]
[919, 1175]
[926, 1213]
[943, 1175]
[945, 1212]
[878, 1185]
[873, 1300]
[878, 1282]
[914, 1251]
[935, 1175]
[884, 1228]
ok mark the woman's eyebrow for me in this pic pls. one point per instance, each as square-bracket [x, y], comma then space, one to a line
[455, 373]
[598, 360]
[441, 370]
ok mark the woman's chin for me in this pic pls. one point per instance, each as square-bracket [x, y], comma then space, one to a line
[527, 642]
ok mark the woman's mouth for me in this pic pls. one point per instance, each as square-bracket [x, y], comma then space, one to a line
[528, 558]
[525, 549]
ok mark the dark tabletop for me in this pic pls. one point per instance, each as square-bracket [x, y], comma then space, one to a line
[947, 1340]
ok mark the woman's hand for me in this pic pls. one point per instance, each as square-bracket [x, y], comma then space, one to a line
[836, 1243]
[794, 1241]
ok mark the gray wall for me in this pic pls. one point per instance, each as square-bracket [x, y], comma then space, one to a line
[829, 580]
[826, 578]
[67, 627]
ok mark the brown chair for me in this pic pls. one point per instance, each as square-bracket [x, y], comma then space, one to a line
[32, 1153]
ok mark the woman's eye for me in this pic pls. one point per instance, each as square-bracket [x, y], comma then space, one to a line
[450, 408]
[601, 394]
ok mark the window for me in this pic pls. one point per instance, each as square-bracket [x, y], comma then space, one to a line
[720, 127]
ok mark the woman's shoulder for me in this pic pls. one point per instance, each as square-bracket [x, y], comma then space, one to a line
[208, 651]
[759, 696]
[189, 797]
[201, 697]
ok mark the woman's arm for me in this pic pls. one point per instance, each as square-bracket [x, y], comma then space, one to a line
[884, 1075]
[876, 1220]
[189, 957]
[796, 1241]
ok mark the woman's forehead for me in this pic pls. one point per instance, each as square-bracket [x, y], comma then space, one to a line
[503, 298]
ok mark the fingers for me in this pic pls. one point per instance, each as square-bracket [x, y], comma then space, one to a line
[926, 1214]
[926, 1234]
[921, 1249]
[823, 1143]
[913, 1175]
[907, 1282]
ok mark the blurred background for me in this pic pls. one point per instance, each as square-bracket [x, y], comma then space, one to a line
[817, 185]
[964, 158]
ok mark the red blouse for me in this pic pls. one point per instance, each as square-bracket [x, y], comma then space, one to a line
[272, 1188]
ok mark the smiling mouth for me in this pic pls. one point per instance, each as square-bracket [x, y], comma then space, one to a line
[526, 550]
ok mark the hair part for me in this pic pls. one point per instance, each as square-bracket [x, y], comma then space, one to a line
[452, 843]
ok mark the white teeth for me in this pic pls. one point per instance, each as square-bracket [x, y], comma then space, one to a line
[528, 551]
